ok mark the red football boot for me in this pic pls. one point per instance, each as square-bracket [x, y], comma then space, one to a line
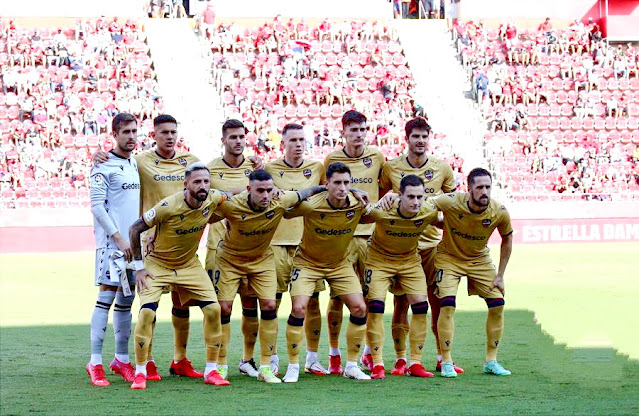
[125, 370]
[458, 370]
[184, 368]
[400, 368]
[367, 361]
[96, 372]
[152, 372]
[378, 373]
[418, 370]
[214, 378]
[139, 383]
[335, 364]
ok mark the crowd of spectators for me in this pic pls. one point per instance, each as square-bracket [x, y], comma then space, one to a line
[59, 89]
[531, 84]
[286, 70]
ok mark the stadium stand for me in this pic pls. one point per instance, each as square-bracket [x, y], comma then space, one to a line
[60, 89]
[562, 108]
[289, 71]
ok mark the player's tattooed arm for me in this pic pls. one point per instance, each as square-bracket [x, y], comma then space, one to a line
[136, 229]
[309, 192]
[141, 273]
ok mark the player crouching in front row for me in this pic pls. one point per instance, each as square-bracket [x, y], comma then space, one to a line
[392, 254]
[173, 264]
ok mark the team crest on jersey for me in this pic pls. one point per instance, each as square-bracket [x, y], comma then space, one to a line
[307, 173]
[165, 203]
[402, 174]
[350, 214]
[220, 174]
[486, 223]
[247, 172]
[121, 167]
[205, 212]
[322, 215]
[367, 162]
[392, 222]
[182, 161]
[97, 179]
[243, 217]
[503, 208]
[269, 215]
[418, 223]
[461, 216]
[157, 161]
[429, 175]
[281, 173]
[181, 217]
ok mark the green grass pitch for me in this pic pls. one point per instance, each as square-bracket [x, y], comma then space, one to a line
[571, 341]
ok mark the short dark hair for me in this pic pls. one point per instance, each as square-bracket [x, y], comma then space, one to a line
[233, 124]
[260, 175]
[418, 123]
[336, 167]
[164, 118]
[195, 166]
[410, 180]
[476, 173]
[352, 116]
[291, 126]
[120, 119]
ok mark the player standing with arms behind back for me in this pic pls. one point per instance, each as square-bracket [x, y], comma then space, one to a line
[438, 178]
[115, 204]
[469, 220]
[293, 173]
[365, 164]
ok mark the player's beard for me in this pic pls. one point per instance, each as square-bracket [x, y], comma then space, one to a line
[481, 203]
[200, 195]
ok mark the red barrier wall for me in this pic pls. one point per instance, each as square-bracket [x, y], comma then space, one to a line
[60, 239]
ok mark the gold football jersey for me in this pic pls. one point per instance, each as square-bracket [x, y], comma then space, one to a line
[180, 227]
[438, 178]
[327, 230]
[161, 177]
[225, 177]
[466, 233]
[365, 170]
[249, 232]
[288, 178]
[396, 236]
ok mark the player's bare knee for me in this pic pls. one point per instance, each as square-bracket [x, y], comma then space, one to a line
[210, 310]
[401, 303]
[376, 306]
[267, 304]
[299, 310]
[226, 307]
[175, 297]
[358, 308]
[248, 302]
